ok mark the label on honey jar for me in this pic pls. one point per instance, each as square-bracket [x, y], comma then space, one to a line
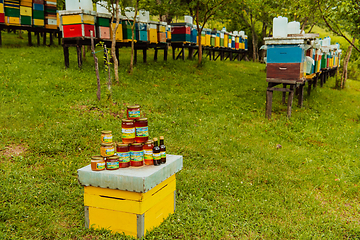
[107, 139]
[128, 132]
[163, 154]
[148, 154]
[112, 165]
[137, 156]
[100, 166]
[142, 132]
[156, 156]
[124, 156]
[134, 114]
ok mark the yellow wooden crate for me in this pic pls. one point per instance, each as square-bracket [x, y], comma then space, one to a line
[119, 32]
[129, 212]
[169, 35]
[13, 21]
[38, 22]
[207, 40]
[217, 41]
[78, 19]
[152, 35]
[1, 8]
[25, 11]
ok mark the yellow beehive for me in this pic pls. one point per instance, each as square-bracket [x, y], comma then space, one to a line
[119, 32]
[207, 40]
[152, 32]
[217, 41]
[1, 8]
[25, 11]
[13, 21]
[78, 19]
[226, 40]
[38, 22]
[129, 212]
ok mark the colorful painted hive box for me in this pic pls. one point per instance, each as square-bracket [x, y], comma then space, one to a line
[181, 32]
[103, 25]
[285, 62]
[130, 200]
[77, 23]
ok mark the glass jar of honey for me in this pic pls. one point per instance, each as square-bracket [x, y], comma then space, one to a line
[106, 137]
[136, 155]
[107, 149]
[112, 163]
[141, 130]
[128, 131]
[148, 152]
[123, 153]
[133, 112]
[97, 163]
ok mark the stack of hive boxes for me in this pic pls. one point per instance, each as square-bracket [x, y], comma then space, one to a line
[162, 32]
[119, 31]
[181, 32]
[12, 12]
[103, 25]
[38, 13]
[141, 31]
[2, 13]
[50, 14]
[127, 32]
[77, 23]
[152, 32]
[26, 12]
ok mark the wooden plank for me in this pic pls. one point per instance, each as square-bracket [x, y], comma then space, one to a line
[284, 94]
[29, 38]
[285, 90]
[301, 95]
[79, 56]
[66, 56]
[277, 80]
[269, 96]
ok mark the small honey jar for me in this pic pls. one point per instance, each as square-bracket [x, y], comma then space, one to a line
[97, 163]
[133, 112]
[106, 137]
[107, 150]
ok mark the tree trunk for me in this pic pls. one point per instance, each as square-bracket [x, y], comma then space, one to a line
[199, 34]
[133, 39]
[98, 93]
[254, 40]
[113, 41]
[346, 62]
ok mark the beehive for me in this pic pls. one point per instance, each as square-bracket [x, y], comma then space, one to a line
[181, 32]
[103, 25]
[2, 12]
[77, 23]
[12, 12]
[38, 14]
[161, 32]
[119, 31]
[152, 32]
[50, 14]
[130, 200]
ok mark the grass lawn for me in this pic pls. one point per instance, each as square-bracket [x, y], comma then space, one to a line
[235, 183]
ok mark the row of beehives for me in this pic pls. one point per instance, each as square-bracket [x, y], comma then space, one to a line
[80, 24]
[296, 60]
[29, 13]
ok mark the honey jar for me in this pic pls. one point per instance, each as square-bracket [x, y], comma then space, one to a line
[123, 152]
[106, 137]
[112, 163]
[97, 163]
[136, 155]
[133, 112]
[107, 149]
[148, 152]
[128, 131]
[141, 130]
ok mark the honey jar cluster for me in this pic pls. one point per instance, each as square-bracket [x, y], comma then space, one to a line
[135, 148]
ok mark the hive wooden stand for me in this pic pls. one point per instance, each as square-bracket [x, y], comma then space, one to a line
[130, 200]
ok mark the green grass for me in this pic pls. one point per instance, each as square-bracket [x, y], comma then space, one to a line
[235, 183]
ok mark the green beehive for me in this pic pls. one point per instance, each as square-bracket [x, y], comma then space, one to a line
[103, 22]
[25, 20]
[38, 14]
[212, 40]
[12, 12]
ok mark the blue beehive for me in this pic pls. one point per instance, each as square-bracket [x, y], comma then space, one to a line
[285, 54]
[194, 34]
[141, 32]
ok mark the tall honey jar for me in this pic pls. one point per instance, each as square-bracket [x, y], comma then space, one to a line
[136, 155]
[148, 152]
[107, 150]
[123, 152]
[97, 163]
[112, 163]
[128, 131]
[141, 130]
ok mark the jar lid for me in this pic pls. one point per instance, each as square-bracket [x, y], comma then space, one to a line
[141, 119]
[149, 142]
[127, 120]
[122, 144]
[106, 132]
[98, 157]
[136, 144]
[107, 144]
[133, 106]
[115, 157]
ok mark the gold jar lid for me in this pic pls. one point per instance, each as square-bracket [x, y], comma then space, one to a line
[98, 157]
[136, 144]
[149, 142]
[141, 119]
[128, 120]
[106, 132]
[107, 144]
[122, 144]
[115, 157]
[133, 106]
